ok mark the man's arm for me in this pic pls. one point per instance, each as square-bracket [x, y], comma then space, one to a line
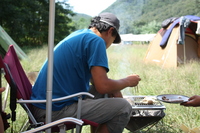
[104, 85]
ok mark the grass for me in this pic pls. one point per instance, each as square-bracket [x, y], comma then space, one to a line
[128, 59]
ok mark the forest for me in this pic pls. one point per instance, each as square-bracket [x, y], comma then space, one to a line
[146, 16]
[27, 21]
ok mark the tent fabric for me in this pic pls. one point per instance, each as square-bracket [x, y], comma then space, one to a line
[6, 41]
[168, 32]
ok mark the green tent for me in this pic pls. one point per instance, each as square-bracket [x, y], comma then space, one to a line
[6, 41]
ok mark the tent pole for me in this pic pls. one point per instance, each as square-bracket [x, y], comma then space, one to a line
[50, 62]
[184, 54]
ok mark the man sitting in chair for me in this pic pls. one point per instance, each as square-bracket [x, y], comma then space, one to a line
[79, 57]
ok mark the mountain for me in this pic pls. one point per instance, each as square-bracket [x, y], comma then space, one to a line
[131, 12]
[136, 16]
[81, 21]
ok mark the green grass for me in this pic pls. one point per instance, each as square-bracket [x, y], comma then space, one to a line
[128, 59]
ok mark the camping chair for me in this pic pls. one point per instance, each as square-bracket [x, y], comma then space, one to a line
[20, 88]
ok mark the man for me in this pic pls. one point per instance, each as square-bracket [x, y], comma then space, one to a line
[78, 58]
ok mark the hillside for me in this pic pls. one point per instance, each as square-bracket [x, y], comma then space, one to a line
[146, 11]
[135, 14]
[81, 21]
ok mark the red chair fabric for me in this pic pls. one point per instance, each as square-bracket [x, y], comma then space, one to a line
[19, 76]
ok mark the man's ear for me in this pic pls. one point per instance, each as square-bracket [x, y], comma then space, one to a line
[111, 30]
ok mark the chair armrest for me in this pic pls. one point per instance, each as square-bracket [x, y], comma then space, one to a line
[55, 123]
[57, 99]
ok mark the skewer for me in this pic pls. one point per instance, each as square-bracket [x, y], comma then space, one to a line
[136, 89]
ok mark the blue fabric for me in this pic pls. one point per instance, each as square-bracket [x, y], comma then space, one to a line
[165, 38]
[73, 58]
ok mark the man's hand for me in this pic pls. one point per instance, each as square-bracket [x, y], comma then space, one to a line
[133, 80]
[193, 101]
[2, 89]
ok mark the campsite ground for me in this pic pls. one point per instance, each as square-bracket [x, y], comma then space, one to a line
[128, 59]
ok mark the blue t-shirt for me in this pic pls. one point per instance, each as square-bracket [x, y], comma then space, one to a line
[73, 58]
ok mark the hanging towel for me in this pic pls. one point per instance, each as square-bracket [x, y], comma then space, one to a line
[184, 23]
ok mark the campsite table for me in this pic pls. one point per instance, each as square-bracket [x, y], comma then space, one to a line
[144, 114]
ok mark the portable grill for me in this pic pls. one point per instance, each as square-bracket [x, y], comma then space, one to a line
[144, 114]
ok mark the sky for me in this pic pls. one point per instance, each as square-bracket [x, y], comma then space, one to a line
[90, 7]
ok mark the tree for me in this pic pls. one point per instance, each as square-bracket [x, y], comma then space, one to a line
[197, 7]
[27, 21]
[81, 21]
[151, 28]
[136, 26]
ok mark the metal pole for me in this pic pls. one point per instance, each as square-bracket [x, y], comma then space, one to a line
[50, 62]
[184, 52]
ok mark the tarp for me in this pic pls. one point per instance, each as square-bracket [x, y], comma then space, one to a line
[6, 41]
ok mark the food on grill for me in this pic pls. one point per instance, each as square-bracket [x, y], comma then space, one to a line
[148, 100]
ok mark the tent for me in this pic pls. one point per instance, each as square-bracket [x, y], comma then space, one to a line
[176, 44]
[5, 41]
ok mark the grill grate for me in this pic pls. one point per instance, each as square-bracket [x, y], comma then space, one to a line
[144, 114]
[139, 102]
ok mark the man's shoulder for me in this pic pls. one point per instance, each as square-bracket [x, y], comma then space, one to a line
[88, 34]
[83, 31]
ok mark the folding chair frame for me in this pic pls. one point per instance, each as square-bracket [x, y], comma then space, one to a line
[64, 124]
